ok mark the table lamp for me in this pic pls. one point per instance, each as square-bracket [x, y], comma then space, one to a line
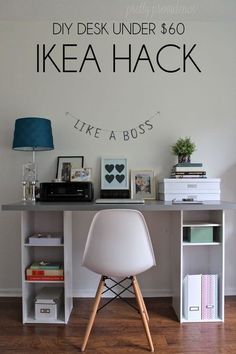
[32, 134]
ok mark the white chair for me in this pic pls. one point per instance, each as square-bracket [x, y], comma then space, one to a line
[119, 245]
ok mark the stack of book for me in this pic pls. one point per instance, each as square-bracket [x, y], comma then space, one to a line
[45, 271]
[188, 170]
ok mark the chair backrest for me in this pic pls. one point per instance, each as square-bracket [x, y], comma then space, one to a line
[118, 244]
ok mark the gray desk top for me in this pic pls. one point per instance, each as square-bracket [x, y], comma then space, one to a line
[152, 205]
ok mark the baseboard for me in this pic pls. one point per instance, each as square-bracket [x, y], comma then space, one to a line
[91, 292]
[230, 291]
[10, 292]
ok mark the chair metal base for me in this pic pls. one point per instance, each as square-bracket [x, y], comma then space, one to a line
[118, 295]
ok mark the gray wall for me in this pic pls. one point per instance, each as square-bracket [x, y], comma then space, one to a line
[200, 105]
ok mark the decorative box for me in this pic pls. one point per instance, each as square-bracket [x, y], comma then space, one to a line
[198, 234]
[185, 188]
[45, 239]
[47, 303]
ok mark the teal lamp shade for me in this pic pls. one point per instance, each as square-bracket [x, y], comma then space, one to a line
[33, 133]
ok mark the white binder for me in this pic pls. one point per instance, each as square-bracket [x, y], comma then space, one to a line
[192, 297]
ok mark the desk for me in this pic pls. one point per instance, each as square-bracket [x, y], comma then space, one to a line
[186, 258]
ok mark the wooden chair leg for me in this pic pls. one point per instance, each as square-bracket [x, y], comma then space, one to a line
[94, 312]
[141, 296]
[142, 313]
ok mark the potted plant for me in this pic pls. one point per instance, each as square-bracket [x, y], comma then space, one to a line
[183, 148]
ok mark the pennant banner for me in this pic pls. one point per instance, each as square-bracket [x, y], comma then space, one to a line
[114, 135]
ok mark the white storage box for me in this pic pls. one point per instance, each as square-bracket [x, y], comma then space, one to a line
[45, 239]
[195, 188]
[47, 303]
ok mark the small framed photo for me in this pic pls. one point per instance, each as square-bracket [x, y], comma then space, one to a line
[29, 172]
[81, 174]
[114, 173]
[143, 184]
[65, 164]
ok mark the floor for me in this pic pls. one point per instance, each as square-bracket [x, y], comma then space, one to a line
[117, 330]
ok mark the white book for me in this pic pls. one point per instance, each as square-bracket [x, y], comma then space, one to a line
[188, 169]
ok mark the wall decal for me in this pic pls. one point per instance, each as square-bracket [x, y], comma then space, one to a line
[112, 134]
[75, 59]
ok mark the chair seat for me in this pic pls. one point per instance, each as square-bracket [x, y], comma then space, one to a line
[118, 244]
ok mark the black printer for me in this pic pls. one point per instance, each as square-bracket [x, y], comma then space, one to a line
[66, 192]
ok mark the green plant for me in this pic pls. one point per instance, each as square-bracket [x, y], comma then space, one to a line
[183, 146]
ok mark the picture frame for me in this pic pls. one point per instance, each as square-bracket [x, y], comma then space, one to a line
[81, 174]
[29, 172]
[114, 173]
[65, 164]
[143, 184]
